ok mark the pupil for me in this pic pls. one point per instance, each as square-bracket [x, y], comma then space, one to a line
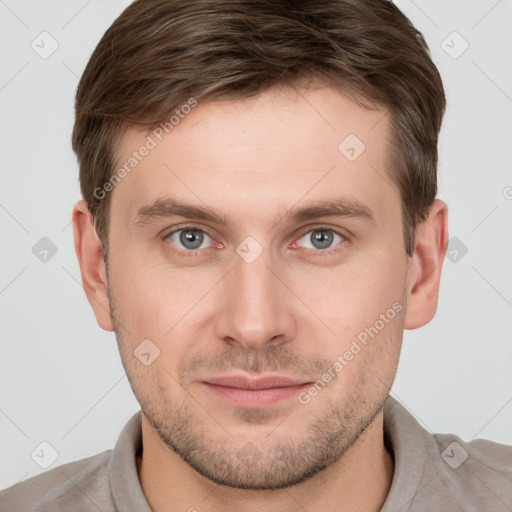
[192, 239]
[321, 240]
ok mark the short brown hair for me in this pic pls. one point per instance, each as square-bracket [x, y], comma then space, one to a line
[160, 53]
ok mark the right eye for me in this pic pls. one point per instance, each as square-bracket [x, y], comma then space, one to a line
[189, 238]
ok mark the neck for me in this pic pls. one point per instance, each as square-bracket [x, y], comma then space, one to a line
[360, 480]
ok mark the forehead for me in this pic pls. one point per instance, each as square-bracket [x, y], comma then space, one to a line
[269, 151]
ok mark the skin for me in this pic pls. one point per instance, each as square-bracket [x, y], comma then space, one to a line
[292, 311]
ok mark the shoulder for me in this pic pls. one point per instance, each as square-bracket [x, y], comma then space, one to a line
[490, 453]
[443, 472]
[83, 484]
[479, 468]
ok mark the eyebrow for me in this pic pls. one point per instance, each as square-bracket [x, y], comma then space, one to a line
[167, 207]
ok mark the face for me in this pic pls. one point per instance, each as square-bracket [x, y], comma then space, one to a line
[291, 267]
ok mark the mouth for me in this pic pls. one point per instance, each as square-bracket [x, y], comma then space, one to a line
[255, 393]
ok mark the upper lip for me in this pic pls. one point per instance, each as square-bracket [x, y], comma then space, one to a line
[265, 382]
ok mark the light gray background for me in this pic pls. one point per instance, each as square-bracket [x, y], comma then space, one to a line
[61, 377]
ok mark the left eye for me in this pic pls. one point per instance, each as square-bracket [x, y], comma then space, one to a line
[190, 239]
[321, 238]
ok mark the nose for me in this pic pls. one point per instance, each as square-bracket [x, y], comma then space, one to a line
[257, 307]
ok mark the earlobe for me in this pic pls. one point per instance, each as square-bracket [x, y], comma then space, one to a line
[92, 266]
[425, 265]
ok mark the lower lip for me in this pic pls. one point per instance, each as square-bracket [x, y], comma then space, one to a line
[255, 398]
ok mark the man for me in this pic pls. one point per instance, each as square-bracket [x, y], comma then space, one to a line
[259, 226]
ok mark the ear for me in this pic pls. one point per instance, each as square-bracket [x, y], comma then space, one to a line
[424, 272]
[92, 267]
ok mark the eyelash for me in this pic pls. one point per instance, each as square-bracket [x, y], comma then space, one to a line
[318, 252]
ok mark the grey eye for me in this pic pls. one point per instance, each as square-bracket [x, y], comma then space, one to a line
[320, 238]
[190, 239]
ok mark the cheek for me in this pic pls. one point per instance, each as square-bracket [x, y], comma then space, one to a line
[353, 296]
[160, 302]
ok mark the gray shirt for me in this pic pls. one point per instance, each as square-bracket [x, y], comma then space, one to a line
[439, 473]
